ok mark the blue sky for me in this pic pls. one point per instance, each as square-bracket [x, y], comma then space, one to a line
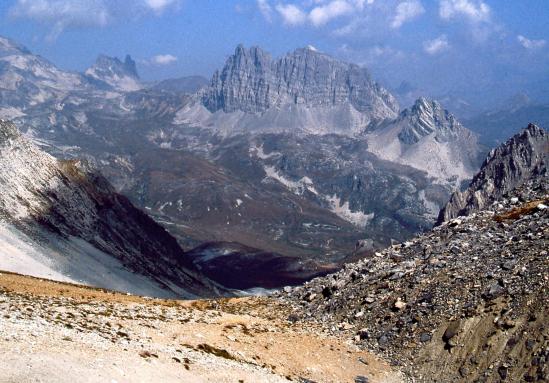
[436, 45]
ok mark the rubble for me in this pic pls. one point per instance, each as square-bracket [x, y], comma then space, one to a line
[475, 284]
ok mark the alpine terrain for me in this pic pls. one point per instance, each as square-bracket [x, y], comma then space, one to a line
[303, 157]
[289, 217]
[61, 220]
[465, 302]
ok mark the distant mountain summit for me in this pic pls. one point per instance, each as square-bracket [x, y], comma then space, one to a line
[427, 117]
[428, 137]
[305, 89]
[252, 81]
[522, 158]
[28, 80]
[120, 75]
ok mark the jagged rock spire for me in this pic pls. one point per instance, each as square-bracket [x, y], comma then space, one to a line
[521, 158]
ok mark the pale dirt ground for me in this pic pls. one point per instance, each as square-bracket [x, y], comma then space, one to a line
[55, 332]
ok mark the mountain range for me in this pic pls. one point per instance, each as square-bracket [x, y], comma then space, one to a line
[371, 243]
[302, 157]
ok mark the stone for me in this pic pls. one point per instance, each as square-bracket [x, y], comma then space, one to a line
[399, 304]
[310, 297]
[502, 371]
[425, 337]
[493, 291]
[363, 333]
[451, 331]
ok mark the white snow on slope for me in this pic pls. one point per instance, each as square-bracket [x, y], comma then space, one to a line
[73, 260]
[259, 153]
[438, 159]
[357, 218]
[342, 210]
[296, 187]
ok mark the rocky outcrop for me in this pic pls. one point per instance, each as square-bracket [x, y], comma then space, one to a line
[428, 137]
[523, 157]
[465, 302]
[426, 117]
[67, 205]
[113, 73]
[252, 81]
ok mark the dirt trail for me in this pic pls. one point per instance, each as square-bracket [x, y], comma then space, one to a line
[56, 332]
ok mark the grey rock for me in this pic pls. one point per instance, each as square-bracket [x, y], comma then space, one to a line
[425, 337]
[252, 81]
[523, 157]
[451, 331]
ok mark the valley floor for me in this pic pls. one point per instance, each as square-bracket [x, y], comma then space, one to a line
[57, 332]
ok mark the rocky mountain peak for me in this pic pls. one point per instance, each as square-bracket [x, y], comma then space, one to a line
[114, 73]
[114, 65]
[253, 82]
[425, 117]
[130, 67]
[252, 52]
[522, 158]
[428, 137]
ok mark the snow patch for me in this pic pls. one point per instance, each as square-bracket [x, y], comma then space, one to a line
[343, 211]
[72, 260]
[296, 187]
[259, 153]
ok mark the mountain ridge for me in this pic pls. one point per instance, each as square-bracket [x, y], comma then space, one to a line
[523, 157]
[252, 82]
[59, 205]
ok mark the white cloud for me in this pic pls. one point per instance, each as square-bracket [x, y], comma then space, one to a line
[473, 10]
[530, 44]
[405, 11]
[291, 14]
[60, 15]
[435, 46]
[265, 9]
[320, 15]
[160, 6]
[163, 59]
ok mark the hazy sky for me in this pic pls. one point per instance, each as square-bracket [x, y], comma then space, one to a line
[436, 45]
